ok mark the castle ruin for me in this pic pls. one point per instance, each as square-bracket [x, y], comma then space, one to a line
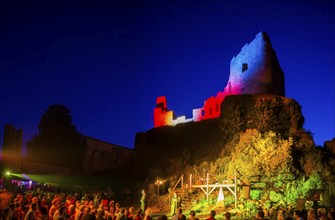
[255, 70]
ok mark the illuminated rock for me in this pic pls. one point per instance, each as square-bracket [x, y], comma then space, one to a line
[255, 70]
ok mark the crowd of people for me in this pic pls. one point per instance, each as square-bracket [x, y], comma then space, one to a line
[45, 203]
[52, 203]
[311, 214]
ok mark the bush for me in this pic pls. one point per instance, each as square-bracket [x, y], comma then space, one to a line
[228, 200]
[276, 197]
[255, 194]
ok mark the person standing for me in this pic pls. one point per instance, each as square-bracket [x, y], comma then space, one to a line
[174, 204]
[53, 208]
[211, 215]
[147, 214]
[31, 215]
[143, 201]
[192, 216]
[121, 214]
[227, 216]
[179, 215]
[138, 215]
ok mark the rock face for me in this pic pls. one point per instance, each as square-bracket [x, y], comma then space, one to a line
[330, 145]
[169, 148]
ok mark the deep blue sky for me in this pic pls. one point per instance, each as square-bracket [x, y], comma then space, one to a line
[108, 61]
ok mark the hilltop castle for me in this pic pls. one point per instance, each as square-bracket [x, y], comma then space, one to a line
[255, 70]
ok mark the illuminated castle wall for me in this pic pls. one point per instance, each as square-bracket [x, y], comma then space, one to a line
[255, 70]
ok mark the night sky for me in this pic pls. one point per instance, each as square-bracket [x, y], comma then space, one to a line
[108, 61]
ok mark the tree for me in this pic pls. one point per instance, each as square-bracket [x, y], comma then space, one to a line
[57, 142]
[57, 120]
[260, 155]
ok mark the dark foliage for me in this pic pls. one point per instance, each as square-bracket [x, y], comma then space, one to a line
[57, 142]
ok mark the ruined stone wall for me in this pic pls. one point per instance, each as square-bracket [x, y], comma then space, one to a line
[101, 156]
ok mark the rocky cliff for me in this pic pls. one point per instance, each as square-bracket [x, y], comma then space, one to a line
[167, 149]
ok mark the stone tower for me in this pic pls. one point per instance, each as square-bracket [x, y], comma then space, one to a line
[256, 70]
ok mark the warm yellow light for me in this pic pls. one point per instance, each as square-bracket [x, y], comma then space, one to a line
[158, 182]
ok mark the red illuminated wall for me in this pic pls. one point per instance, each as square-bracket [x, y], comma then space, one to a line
[211, 109]
[162, 116]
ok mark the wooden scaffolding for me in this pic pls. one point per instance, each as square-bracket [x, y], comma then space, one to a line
[208, 188]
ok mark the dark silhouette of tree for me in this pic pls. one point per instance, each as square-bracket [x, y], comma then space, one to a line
[57, 141]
